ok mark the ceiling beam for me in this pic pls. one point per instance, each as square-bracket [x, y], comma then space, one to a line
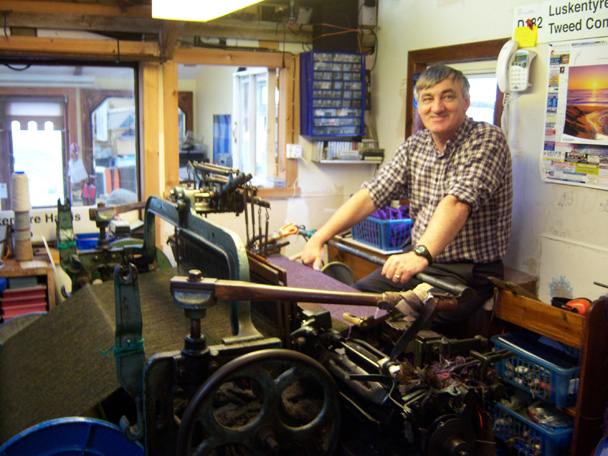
[137, 19]
[169, 37]
[74, 8]
[58, 19]
[82, 23]
[248, 30]
[65, 47]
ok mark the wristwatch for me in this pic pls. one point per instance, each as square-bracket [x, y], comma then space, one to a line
[422, 251]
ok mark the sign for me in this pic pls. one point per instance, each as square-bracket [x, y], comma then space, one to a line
[43, 222]
[564, 20]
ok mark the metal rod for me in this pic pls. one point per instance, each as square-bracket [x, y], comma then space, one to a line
[458, 290]
[234, 290]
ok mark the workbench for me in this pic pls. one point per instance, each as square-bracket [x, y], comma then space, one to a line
[38, 267]
[587, 333]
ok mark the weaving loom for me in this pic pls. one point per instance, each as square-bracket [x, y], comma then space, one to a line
[153, 350]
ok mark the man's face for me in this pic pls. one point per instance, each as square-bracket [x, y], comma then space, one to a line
[443, 108]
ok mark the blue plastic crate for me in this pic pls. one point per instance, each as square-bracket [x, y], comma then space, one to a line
[537, 370]
[385, 235]
[526, 437]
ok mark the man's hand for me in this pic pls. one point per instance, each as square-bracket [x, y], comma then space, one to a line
[402, 267]
[311, 255]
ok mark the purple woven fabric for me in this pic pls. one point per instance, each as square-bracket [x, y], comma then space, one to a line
[301, 276]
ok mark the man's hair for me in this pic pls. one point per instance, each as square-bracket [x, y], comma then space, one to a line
[437, 73]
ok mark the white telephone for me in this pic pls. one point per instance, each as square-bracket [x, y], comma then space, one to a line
[513, 67]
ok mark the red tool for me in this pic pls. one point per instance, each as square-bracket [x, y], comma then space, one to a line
[578, 305]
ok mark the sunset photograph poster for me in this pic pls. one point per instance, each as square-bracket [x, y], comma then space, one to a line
[587, 103]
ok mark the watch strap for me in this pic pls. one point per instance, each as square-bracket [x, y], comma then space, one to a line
[422, 251]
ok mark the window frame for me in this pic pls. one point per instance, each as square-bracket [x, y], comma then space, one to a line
[75, 125]
[419, 60]
[287, 64]
[157, 92]
[267, 154]
[69, 94]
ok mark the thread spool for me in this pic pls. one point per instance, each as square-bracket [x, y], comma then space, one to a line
[21, 207]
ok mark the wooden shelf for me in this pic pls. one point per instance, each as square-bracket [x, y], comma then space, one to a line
[348, 162]
[585, 332]
[39, 266]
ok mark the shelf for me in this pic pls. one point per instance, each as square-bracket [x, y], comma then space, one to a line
[584, 332]
[38, 267]
[348, 162]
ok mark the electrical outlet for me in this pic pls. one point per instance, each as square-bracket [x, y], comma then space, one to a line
[294, 151]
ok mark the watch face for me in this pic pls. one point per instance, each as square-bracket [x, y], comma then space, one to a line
[422, 251]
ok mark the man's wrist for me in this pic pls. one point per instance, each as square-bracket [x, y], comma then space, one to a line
[423, 252]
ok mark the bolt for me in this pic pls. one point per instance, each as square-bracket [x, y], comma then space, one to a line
[195, 275]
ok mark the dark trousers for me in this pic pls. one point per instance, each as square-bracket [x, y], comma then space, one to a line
[473, 275]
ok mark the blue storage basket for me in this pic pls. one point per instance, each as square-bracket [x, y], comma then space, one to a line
[537, 370]
[388, 235]
[527, 437]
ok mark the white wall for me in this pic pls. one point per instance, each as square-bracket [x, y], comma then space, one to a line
[213, 95]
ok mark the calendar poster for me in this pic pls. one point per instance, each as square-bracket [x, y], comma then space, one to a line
[575, 147]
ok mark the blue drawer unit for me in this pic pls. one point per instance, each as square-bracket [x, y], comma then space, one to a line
[332, 94]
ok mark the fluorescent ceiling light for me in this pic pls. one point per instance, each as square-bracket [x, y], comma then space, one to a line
[46, 80]
[196, 10]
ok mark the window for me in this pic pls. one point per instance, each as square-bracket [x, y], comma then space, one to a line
[482, 78]
[36, 130]
[255, 124]
[260, 103]
[72, 129]
[483, 97]
[455, 55]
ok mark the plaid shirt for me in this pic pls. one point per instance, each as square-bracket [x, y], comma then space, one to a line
[475, 167]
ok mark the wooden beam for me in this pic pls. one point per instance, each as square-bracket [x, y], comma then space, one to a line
[68, 21]
[170, 125]
[289, 113]
[83, 9]
[232, 57]
[169, 37]
[65, 47]
[544, 319]
[248, 30]
[138, 19]
[149, 127]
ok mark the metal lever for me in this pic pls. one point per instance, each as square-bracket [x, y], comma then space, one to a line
[236, 290]
[458, 291]
[128, 351]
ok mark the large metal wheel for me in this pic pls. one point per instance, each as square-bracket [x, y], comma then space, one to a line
[452, 436]
[274, 401]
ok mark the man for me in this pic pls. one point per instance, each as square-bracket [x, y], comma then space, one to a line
[457, 177]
